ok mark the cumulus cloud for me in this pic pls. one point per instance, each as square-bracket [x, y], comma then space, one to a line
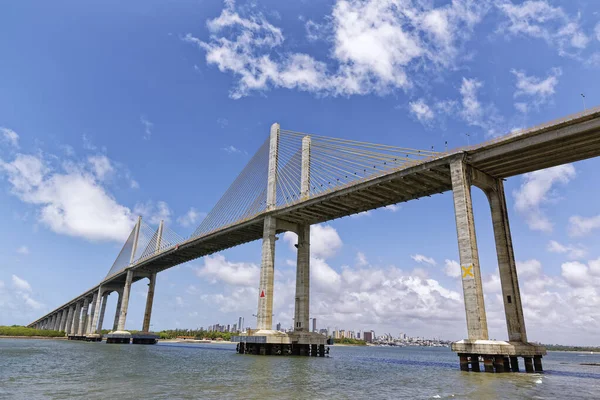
[324, 241]
[572, 251]
[581, 226]
[21, 284]
[217, 269]
[452, 268]
[375, 46]
[154, 212]
[421, 259]
[471, 110]
[538, 19]
[421, 110]
[190, 218]
[10, 136]
[72, 202]
[361, 259]
[537, 89]
[101, 166]
[536, 190]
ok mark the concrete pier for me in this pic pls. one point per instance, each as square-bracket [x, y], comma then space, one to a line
[84, 317]
[69, 323]
[121, 335]
[302, 299]
[75, 326]
[494, 353]
[93, 334]
[118, 309]
[102, 312]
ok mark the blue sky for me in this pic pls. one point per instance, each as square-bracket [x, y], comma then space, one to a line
[113, 109]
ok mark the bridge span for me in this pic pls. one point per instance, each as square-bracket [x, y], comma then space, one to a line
[295, 180]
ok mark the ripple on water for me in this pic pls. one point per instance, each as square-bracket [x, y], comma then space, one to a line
[45, 369]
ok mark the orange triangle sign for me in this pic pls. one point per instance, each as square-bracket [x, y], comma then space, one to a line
[262, 294]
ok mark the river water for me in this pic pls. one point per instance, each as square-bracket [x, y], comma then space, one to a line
[53, 369]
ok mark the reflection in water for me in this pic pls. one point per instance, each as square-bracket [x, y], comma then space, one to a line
[32, 369]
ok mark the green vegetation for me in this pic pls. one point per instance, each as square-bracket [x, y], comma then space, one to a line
[17, 330]
[194, 333]
[350, 341]
[560, 347]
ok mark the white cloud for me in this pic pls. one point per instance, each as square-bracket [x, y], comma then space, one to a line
[392, 207]
[575, 273]
[21, 284]
[72, 202]
[574, 252]
[472, 111]
[361, 214]
[540, 90]
[147, 127]
[536, 191]
[375, 46]
[218, 269]
[10, 136]
[581, 226]
[452, 268]
[324, 241]
[421, 259]
[191, 217]
[528, 269]
[231, 150]
[154, 212]
[101, 166]
[361, 259]
[540, 20]
[23, 250]
[421, 110]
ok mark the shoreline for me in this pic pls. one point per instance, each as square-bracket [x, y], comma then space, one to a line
[35, 337]
[195, 341]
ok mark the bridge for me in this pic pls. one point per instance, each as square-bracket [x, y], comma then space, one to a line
[295, 180]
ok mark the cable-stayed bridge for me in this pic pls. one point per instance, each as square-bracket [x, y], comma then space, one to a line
[296, 179]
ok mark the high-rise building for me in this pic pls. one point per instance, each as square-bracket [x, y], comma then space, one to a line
[314, 329]
[240, 324]
[368, 337]
[279, 326]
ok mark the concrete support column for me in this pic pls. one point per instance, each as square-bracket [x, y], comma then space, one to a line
[69, 324]
[467, 247]
[93, 328]
[264, 318]
[149, 300]
[84, 317]
[118, 311]
[102, 311]
[511, 294]
[52, 321]
[92, 317]
[75, 327]
[302, 305]
[125, 300]
[61, 320]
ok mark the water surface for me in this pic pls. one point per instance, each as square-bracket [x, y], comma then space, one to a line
[52, 369]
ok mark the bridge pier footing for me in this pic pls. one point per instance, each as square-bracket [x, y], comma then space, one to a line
[273, 343]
